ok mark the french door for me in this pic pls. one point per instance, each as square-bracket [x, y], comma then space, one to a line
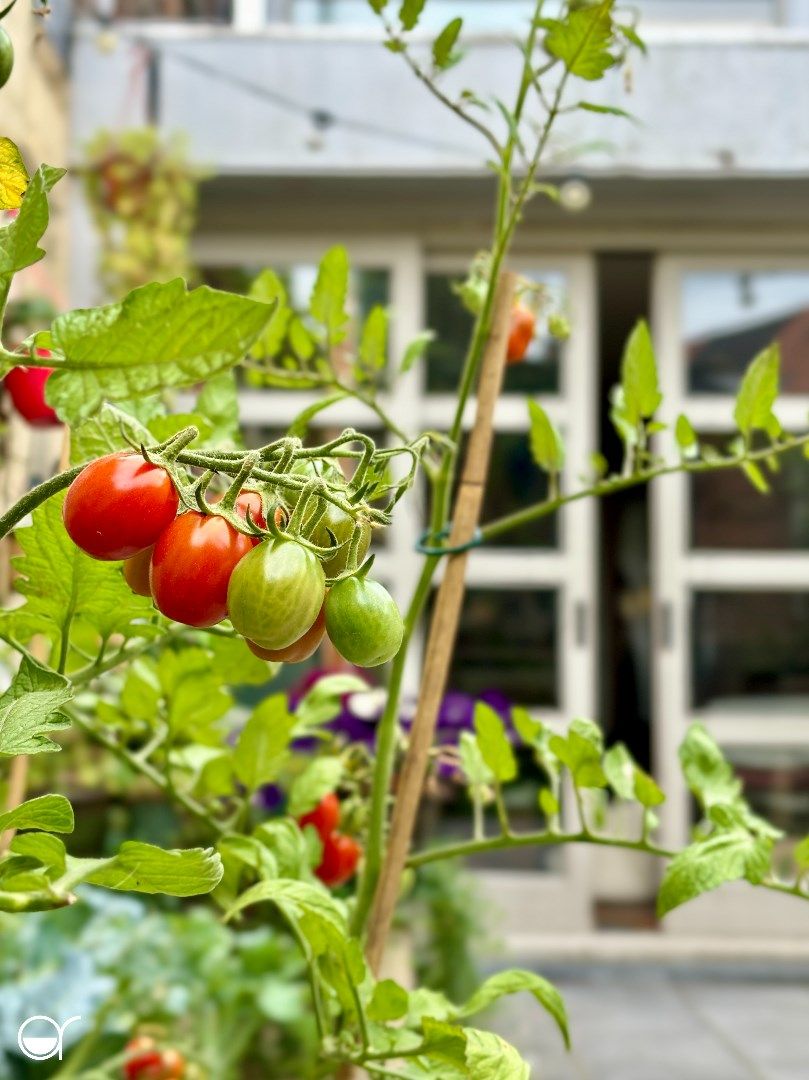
[731, 567]
[528, 628]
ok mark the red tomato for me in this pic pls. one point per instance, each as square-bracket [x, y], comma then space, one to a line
[191, 566]
[26, 388]
[299, 650]
[521, 331]
[143, 1058]
[173, 1065]
[325, 817]
[136, 572]
[339, 861]
[119, 505]
[247, 500]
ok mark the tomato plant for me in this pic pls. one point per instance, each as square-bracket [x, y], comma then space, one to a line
[260, 554]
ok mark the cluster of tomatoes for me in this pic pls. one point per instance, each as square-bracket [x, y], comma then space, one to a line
[145, 1060]
[341, 853]
[198, 569]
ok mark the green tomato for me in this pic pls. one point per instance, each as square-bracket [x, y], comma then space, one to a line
[275, 593]
[6, 57]
[363, 622]
[341, 525]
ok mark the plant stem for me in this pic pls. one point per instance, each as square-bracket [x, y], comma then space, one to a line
[35, 497]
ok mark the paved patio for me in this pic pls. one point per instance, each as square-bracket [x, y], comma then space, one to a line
[668, 1022]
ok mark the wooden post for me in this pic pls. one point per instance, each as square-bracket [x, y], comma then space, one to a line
[444, 623]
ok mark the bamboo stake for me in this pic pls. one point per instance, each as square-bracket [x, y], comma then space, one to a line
[444, 623]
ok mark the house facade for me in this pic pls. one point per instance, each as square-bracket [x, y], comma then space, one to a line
[688, 601]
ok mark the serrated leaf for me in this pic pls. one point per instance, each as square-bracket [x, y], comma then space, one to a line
[416, 349]
[19, 240]
[320, 917]
[547, 447]
[758, 391]
[582, 40]
[515, 981]
[373, 348]
[262, 749]
[708, 774]
[639, 375]
[725, 856]
[29, 710]
[328, 300]
[320, 776]
[493, 742]
[48, 813]
[444, 44]
[580, 751]
[410, 13]
[110, 429]
[490, 1057]
[159, 336]
[13, 175]
[144, 868]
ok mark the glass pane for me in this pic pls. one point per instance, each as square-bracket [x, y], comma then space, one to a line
[750, 650]
[729, 316]
[452, 323]
[367, 287]
[727, 513]
[507, 645]
[514, 483]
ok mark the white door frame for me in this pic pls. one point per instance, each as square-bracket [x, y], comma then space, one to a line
[678, 570]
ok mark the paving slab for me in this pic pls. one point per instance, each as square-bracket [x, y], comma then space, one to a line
[667, 1022]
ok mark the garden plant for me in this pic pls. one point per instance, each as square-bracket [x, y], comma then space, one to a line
[167, 566]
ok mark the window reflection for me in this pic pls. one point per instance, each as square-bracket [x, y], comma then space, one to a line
[452, 323]
[507, 643]
[727, 515]
[750, 649]
[730, 316]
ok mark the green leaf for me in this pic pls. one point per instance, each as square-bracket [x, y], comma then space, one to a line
[478, 774]
[328, 301]
[19, 241]
[320, 917]
[236, 665]
[493, 742]
[686, 436]
[269, 289]
[525, 725]
[582, 40]
[516, 981]
[547, 447]
[758, 391]
[159, 336]
[801, 854]
[290, 847]
[608, 110]
[389, 1001]
[489, 1057]
[29, 710]
[708, 774]
[13, 176]
[647, 792]
[639, 375]
[219, 404]
[378, 5]
[410, 13]
[374, 340]
[416, 349]
[262, 749]
[724, 856]
[548, 803]
[320, 776]
[300, 425]
[144, 868]
[756, 477]
[324, 700]
[49, 813]
[443, 55]
[110, 429]
[619, 768]
[581, 752]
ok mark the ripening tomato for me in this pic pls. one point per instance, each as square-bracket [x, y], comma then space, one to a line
[276, 593]
[363, 622]
[341, 526]
[248, 500]
[26, 388]
[136, 572]
[325, 817]
[192, 562]
[299, 650]
[173, 1065]
[338, 862]
[118, 505]
[142, 1058]
[521, 332]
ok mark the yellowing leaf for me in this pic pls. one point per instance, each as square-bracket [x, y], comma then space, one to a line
[13, 176]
